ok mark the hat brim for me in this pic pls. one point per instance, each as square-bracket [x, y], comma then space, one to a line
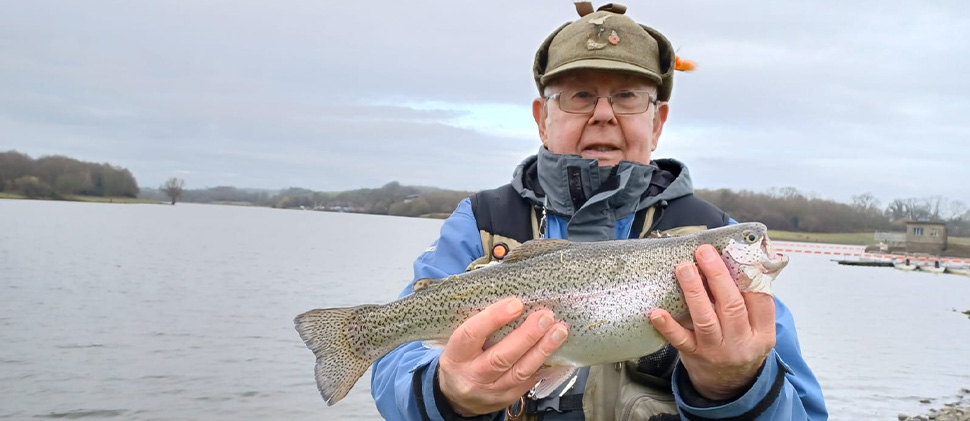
[601, 64]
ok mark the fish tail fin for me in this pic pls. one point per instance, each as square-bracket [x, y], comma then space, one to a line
[338, 368]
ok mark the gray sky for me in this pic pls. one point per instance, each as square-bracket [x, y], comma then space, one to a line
[831, 97]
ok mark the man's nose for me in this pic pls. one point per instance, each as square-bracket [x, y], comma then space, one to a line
[603, 110]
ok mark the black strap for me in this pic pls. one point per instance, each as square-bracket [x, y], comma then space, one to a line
[571, 402]
[441, 402]
[565, 403]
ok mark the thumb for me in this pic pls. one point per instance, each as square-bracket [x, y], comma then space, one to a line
[673, 332]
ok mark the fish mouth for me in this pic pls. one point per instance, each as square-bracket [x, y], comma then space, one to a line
[773, 262]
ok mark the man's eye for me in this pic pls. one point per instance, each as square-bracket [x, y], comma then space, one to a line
[582, 95]
[625, 95]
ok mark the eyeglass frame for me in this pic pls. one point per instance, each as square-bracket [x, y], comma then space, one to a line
[653, 100]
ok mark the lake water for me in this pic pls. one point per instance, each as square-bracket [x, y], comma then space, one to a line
[152, 312]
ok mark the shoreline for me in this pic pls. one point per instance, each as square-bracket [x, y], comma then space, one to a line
[88, 199]
[958, 410]
[849, 239]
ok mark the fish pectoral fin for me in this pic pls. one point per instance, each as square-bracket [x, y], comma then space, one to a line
[550, 378]
[533, 248]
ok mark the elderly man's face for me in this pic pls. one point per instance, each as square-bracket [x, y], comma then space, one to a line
[602, 134]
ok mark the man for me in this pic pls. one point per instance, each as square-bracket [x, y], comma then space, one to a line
[604, 82]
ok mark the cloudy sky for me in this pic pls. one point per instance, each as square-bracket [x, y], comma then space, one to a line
[831, 97]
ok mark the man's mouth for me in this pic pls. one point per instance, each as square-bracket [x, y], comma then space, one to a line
[601, 148]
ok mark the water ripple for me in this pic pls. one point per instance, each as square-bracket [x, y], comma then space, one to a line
[81, 413]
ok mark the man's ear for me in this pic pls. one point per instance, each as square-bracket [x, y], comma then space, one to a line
[539, 113]
[659, 118]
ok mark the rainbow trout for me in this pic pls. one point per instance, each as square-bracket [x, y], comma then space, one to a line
[602, 290]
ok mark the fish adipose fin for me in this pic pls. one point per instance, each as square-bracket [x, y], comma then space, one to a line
[550, 378]
[338, 365]
[533, 248]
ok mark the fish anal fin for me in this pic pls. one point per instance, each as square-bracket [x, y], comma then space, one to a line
[550, 378]
[434, 344]
[533, 248]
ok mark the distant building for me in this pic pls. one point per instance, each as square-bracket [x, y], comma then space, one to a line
[925, 237]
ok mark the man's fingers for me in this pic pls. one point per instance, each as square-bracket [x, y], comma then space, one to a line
[728, 303]
[524, 369]
[677, 335]
[707, 328]
[761, 312]
[466, 342]
[505, 353]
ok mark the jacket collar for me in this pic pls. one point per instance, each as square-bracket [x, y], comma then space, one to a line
[594, 198]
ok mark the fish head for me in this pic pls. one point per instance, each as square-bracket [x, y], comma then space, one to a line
[749, 256]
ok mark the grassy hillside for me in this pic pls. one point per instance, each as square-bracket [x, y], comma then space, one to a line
[853, 238]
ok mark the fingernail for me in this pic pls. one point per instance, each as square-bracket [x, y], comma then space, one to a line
[708, 255]
[545, 321]
[514, 306]
[687, 270]
[657, 319]
[559, 334]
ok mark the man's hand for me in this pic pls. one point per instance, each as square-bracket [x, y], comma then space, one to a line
[477, 381]
[733, 332]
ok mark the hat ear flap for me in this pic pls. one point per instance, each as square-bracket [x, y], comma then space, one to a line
[542, 58]
[666, 58]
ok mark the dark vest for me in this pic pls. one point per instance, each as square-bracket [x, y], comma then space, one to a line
[504, 212]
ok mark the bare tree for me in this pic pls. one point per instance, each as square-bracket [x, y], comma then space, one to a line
[173, 188]
[865, 202]
[896, 210]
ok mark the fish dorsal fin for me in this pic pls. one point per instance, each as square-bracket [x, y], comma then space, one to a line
[426, 283]
[533, 248]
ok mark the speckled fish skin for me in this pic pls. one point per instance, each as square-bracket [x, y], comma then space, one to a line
[602, 290]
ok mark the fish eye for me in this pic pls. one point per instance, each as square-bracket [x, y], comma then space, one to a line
[750, 237]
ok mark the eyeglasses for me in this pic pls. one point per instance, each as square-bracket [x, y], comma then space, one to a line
[623, 102]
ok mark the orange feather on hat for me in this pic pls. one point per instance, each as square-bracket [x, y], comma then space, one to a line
[684, 65]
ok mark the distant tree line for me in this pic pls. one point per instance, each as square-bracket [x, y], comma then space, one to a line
[389, 199]
[395, 199]
[779, 208]
[58, 176]
[790, 210]
[221, 194]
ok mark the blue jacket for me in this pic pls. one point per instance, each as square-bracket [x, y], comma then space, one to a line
[403, 380]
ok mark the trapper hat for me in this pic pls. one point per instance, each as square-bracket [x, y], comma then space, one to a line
[606, 40]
